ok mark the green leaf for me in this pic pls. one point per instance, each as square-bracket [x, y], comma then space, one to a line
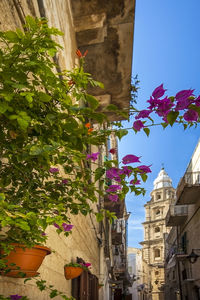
[111, 107]
[2, 197]
[23, 225]
[146, 130]
[120, 133]
[52, 51]
[36, 150]
[172, 116]
[144, 176]
[99, 217]
[44, 97]
[11, 36]
[3, 107]
[22, 123]
[99, 173]
[94, 103]
[97, 83]
[164, 125]
[27, 279]
[53, 293]
[99, 117]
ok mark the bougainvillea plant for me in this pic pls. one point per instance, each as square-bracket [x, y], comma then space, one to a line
[47, 133]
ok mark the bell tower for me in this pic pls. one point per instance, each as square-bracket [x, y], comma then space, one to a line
[155, 231]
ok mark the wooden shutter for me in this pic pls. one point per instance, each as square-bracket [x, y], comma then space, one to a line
[76, 288]
[93, 287]
[84, 286]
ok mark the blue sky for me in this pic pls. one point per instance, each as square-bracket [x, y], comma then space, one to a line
[166, 50]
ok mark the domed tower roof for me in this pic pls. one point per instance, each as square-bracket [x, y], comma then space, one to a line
[163, 180]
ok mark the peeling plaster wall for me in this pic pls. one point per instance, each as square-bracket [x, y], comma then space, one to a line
[106, 30]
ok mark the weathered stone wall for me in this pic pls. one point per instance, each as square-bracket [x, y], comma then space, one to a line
[83, 241]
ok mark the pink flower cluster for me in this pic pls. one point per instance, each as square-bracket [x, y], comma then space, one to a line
[66, 227]
[86, 264]
[183, 100]
[117, 174]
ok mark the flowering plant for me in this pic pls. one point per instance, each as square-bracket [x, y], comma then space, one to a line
[83, 266]
[45, 136]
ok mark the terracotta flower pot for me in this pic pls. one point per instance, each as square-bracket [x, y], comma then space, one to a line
[100, 286]
[26, 260]
[72, 272]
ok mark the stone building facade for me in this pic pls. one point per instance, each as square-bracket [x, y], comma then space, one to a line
[182, 265]
[105, 28]
[155, 231]
[135, 270]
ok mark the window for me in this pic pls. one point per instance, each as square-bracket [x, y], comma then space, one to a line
[157, 229]
[156, 272]
[157, 213]
[157, 253]
[158, 196]
[184, 243]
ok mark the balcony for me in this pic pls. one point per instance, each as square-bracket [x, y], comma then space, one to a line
[177, 214]
[176, 252]
[116, 207]
[116, 238]
[188, 188]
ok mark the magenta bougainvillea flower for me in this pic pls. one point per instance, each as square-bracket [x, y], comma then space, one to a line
[158, 92]
[153, 103]
[135, 182]
[144, 169]
[197, 101]
[183, 104]
[125, 171]
[64, 181]
[93, 156]
[191, 115]
[184, 94]
[56, 225]
[113, 173]
[113, 188]
[43, 233]
[15, 297]
[130, 158]
[164, 106]
[112, 151]
[137, 125]
[113, 198]
[67, 227]
[87, 265]
[53, 170]
[143, 114]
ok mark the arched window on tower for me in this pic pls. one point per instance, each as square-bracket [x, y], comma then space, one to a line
[157, 213]
[157, 231]
[158, 196]
[157, 253]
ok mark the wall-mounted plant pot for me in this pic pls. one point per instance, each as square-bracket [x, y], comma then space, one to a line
[24, 260]
[72, 272]
[100, 286]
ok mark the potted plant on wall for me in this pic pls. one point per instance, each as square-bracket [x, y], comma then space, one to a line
[73, 270]
[22, 261]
